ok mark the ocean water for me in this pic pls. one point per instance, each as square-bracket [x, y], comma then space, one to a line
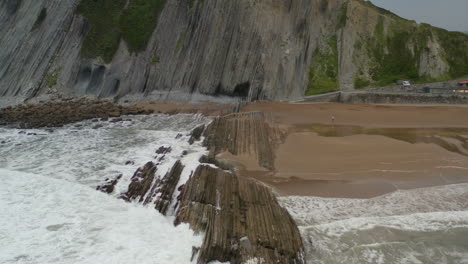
[51, 212]
[428, 225]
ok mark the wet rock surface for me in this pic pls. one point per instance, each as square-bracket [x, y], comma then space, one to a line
[61, 112]
[141, 183]
[241, 218]
[163, 150]
[244, 133]
[109, 185]
[196, 134]
[167, 186]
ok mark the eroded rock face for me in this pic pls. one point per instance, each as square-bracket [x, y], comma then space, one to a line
[245, 49]
[241, 218]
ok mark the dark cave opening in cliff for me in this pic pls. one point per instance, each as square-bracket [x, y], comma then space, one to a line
[242, 90]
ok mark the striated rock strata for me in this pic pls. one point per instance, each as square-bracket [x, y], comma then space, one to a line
[244, 134]
[241, 218]
[264, 49]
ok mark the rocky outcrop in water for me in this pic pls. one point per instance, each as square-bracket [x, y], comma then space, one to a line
[241, 219]
[109, 184]
[141, 183]
[247, 49]
[166, 187]
[196, 134]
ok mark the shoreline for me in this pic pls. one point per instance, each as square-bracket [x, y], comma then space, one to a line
[57, 113]
[367, 151]
[313, 154]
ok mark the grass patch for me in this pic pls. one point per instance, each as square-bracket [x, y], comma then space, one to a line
[379, 9]
[52, 79]
[155, 60]
[110, 22]
[102, 40]
[138, 22]
[343, 15]
[360, 83]
[323, 73]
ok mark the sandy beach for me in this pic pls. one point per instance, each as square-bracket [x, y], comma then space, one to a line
[367, 151]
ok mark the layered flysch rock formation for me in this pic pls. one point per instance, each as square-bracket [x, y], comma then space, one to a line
[249, 134]
[240, 218]
[251, 49]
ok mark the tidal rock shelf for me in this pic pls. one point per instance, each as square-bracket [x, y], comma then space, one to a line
[240, 218]
[58, 112]
[251, 133]
[61, 112]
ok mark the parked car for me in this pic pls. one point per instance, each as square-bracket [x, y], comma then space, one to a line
[403, 83]
[406, 84]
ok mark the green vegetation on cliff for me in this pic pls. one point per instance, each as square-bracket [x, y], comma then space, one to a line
[360, 83]
[192, 3]
[455, 45]
[323, 74]
[110, 21]
[394, 60]
[138, 22]
[397, 47]
[52, 78]
[343, 15]
[379, 9]
[102, 39]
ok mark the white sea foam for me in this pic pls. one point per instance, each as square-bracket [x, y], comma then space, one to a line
[51, 212]
[427, 225]
[46, 220]
[317, 210]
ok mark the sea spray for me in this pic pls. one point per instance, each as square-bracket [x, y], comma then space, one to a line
[52, 212]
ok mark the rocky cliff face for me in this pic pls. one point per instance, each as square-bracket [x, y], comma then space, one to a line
[174, 49]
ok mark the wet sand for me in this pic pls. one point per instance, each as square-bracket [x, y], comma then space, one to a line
[368, 151]
[432, 116]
